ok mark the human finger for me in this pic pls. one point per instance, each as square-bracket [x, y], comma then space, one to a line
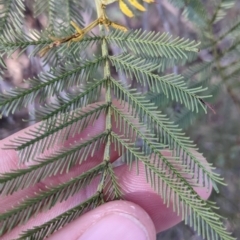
[114, 220]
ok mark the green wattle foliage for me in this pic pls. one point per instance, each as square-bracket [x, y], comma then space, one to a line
[75, 83]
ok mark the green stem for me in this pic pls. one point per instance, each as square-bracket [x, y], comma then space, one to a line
[108, 97]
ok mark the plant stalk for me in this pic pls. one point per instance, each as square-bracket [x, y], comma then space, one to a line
[108, 97]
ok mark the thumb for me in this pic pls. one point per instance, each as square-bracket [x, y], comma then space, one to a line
[114, 220]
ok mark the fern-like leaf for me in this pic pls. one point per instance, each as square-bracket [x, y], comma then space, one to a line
[133, 117]
[59, 162]
[51, 226]
[153, 44]
[170, 187]
[167, 132]
[172, 86]
[11, 14]
[46, 199]
[48, 84]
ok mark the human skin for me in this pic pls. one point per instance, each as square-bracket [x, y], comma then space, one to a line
[140, 215]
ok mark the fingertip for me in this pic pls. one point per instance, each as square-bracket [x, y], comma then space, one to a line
[113, 220]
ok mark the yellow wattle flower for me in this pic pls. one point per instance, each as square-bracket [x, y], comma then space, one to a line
[125, 9]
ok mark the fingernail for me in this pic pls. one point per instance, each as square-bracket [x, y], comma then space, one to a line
[116, 226]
